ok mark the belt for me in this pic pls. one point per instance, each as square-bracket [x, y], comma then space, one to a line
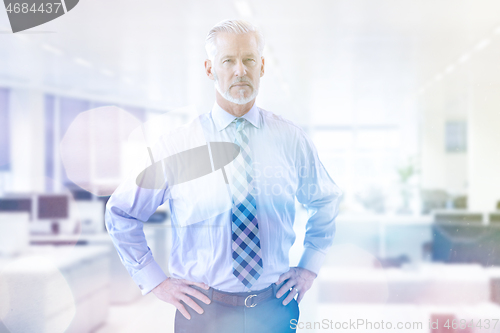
[249, 299]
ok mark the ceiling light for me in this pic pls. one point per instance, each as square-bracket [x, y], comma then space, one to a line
[82, 62]
[127, 80]
[482, 44]
[107, 72]
[464, 58]
[52, 49]
[450, 69]
[438, 77]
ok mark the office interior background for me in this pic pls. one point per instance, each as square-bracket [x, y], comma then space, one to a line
[401, 99]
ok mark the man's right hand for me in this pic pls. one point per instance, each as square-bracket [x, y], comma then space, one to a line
[174, 291]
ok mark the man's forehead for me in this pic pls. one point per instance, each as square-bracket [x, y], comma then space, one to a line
[236, 44]
[235, 53]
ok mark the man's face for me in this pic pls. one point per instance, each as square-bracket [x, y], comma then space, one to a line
[237, 67]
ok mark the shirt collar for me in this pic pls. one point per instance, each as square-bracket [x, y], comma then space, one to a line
[223, 118]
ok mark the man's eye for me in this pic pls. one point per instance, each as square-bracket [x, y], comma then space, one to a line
[227, 60]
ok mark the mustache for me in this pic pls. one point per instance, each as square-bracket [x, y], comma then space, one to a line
[242, 79]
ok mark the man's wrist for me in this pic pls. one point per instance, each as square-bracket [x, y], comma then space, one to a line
[156, 288]
[315, 275]
[149, 277]
[312, 260]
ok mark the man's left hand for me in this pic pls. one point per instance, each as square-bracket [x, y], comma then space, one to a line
[300, 279]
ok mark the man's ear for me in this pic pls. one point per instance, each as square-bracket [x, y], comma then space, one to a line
[262, 67]
[208, 69]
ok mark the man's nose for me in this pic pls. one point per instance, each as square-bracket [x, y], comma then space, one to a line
[240, 69]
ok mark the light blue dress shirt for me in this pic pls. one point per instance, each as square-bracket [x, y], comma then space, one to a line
[285, 166]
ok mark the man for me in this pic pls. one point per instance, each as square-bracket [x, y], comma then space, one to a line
[229, 262]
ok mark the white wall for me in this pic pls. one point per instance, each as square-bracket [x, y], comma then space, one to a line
[433, 155]
[27, 141]
[440, 169]
[471, 93]
[484, 141]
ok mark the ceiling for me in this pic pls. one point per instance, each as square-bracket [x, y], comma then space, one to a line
[359, 60]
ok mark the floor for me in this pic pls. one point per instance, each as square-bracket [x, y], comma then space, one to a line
[147, 314]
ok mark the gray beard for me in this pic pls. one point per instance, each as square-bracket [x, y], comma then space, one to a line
[227, 96]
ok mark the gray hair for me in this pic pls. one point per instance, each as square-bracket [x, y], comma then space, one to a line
[233, 27]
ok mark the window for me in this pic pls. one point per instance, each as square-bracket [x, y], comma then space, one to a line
[60, 112]
[49, 142]
[456, 137]
[4, 130]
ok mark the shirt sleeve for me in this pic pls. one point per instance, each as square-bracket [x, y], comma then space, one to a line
[321, 197]
[129, 205]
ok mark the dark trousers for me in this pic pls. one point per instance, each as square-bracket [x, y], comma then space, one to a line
[270, 316]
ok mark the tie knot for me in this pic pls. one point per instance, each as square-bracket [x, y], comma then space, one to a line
[239, 123]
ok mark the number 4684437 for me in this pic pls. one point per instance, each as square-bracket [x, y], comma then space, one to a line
[46, 7]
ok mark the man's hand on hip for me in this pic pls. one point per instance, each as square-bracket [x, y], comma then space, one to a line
[300, 279]
[174, 291]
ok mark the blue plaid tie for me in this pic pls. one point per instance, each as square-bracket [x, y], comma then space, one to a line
[247, 255]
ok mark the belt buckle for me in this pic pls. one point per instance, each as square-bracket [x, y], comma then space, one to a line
[246, 299]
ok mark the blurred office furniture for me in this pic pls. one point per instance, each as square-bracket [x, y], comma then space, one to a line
[463, 237]
[494, 284]
[122, 289]
[437, 284]
[394, 262]
[79, 194]
[104, 199]
[450, 236]
[414, 293]
[494, 218]
[492, 244]
[427, 250]
[373, 199]
[54, 209]
[452, 216]
[465, 285]
[52, 287]
[14, 233]
[89, 214]
[433, 199]
[54, 221]
[459, 243]
[17, 203]
[384, 236]
[460, 202]
[49, 213]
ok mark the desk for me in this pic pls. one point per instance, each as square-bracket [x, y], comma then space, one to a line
[385, 235]
[122, 289]
[438, 284]
[55, 289]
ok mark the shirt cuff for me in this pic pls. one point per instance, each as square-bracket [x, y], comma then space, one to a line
[312, 260]
[149, 277]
